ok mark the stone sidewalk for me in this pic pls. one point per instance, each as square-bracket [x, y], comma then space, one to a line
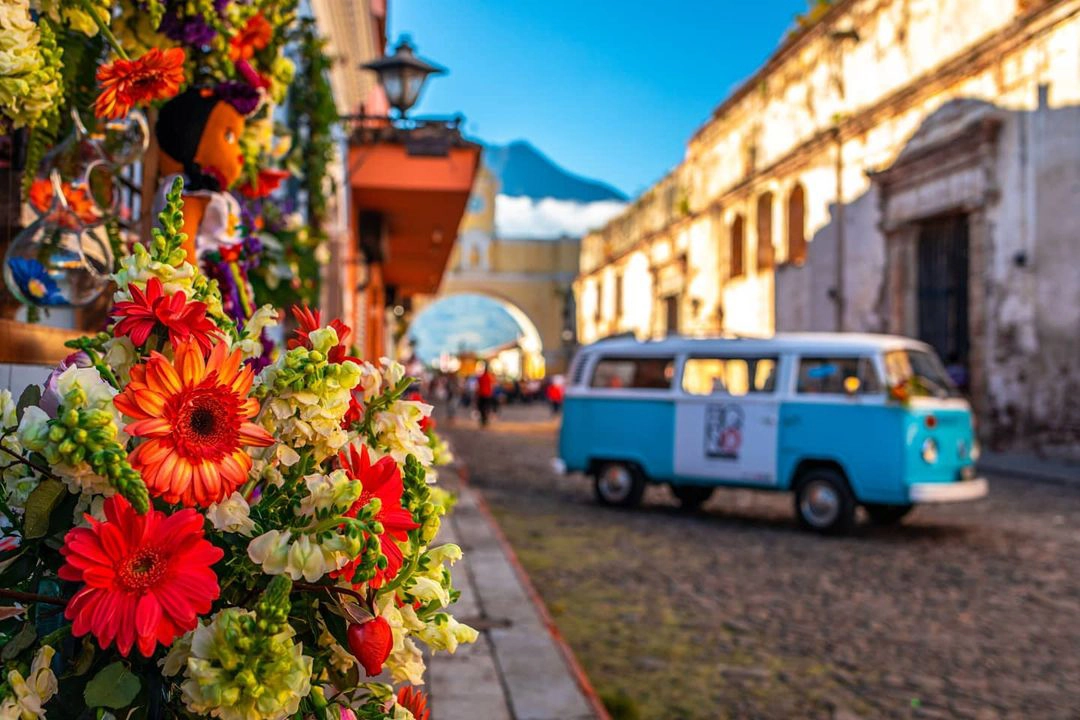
[519, 668]
[1062, 470]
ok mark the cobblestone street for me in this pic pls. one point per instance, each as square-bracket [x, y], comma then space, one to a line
[965, 611]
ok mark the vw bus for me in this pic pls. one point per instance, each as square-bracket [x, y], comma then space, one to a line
[841, 420]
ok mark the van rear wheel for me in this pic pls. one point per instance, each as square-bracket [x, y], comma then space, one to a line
[619, 484]
[886, 514]
[824, 502]
[692, 497]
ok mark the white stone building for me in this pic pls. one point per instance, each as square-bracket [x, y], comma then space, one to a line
[950, 130]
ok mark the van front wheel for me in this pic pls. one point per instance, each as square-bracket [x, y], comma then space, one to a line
[824, 502]
[692, 497]
[619, 484]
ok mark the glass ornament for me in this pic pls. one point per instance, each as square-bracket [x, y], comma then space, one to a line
[58, 261]
[124, 140]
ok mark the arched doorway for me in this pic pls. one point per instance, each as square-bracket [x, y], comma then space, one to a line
[456, 331]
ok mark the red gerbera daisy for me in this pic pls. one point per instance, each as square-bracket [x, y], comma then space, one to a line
[415, 701]
[195, 415]
[146, 578]
[268, 181]
[311, 320]
[381, 480]
[155, 309]
[157, 75]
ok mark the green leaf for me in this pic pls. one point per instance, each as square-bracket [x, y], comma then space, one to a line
[39, 506]
[114, 687]
[26, 637]
[30, 396]
[85, 658]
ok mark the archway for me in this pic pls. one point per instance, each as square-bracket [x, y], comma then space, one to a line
[456, 331]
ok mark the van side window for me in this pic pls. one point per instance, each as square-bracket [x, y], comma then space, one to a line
[645, 373]
[730, 376]
[837, 376]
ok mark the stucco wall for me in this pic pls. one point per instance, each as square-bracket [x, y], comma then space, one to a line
[867, 80]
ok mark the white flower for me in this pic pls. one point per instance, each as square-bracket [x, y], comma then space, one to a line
[251, 346]
[393, 370]
[271, 551]
[446, 633]
[32, 692]
[120, 355]
[333, 492]
[303, 556]
[179, 652]
[231, 515]
[427, 589]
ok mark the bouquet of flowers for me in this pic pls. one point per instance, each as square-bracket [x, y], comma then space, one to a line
[185, 538]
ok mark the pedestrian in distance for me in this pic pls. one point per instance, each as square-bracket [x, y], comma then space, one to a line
[485, 394]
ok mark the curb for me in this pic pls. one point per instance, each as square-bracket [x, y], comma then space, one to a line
[564, 648]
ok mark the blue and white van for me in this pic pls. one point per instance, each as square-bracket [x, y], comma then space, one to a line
[840, 419]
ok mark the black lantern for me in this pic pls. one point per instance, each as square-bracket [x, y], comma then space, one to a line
[402, 75]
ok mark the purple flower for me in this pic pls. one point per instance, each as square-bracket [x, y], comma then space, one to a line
[50, 398]
[240, 95]
[193, 29]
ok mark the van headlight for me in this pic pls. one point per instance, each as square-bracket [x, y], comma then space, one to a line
[976, 451]
[929, 451]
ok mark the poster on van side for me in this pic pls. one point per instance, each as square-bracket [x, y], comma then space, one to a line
[723, 431]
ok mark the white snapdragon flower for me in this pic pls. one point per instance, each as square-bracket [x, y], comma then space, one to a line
[231, 515]
[32, 692]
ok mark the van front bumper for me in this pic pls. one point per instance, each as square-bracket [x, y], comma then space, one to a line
[558, 466]
[948, 492]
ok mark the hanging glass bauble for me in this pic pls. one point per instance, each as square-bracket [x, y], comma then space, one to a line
[124, 140]
[75, 160]
[57, 261]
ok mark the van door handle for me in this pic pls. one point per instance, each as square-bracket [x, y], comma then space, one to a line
[789, 421]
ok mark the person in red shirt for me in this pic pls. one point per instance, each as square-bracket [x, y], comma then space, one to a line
[485, 394]
[555, 393]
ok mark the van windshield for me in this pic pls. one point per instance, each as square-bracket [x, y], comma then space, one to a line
[920, 372]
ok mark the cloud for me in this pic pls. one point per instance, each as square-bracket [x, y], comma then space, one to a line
[524, 217]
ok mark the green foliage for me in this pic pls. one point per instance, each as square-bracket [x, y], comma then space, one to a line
[620, 706]
[39, 506]
[167, 242]
[115, 686]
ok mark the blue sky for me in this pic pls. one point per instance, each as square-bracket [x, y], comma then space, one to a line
[609, 89]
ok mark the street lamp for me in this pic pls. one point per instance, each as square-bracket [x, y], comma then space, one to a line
[402, 75]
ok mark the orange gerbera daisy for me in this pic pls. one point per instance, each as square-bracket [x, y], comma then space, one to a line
[157, 75]
[195, 415]
[81, 210]
[254, 36]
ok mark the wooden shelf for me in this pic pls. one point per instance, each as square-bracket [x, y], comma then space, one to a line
[26, 344]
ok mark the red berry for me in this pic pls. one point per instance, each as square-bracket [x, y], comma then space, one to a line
[370, 643]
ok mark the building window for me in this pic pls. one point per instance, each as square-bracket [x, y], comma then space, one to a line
[737, 251]
[764, 232]
[796, 225]
[618, 299]
[671, 314]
